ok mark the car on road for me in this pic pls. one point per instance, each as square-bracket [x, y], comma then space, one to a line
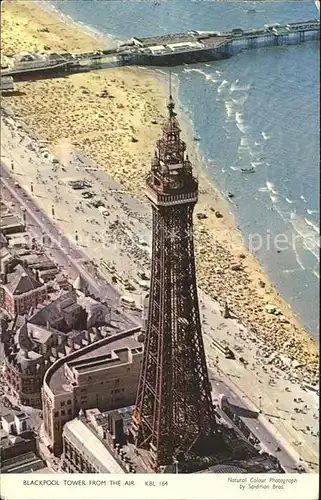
[87, 194]
[103, 210]
[300, 468]
[127, 301]
[98, 203]
[53, 159]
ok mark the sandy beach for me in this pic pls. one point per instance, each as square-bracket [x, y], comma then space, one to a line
[119, 132]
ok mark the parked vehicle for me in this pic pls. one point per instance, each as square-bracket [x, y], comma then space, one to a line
[127, 301]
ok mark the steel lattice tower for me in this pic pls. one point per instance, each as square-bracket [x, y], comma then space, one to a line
[174, 416]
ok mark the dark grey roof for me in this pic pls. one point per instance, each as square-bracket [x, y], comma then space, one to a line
[28, 462]
[3, 240]
[22, 416]
[22, 280]
[16, 439]
[226, 469]
[8, 418]
[52, 311]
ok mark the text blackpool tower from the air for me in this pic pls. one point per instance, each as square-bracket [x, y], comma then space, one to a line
[174, 417]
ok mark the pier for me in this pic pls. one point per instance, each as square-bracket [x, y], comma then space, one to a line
[166, 50]
[197, 46]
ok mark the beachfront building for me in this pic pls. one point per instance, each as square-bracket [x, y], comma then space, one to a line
[9, 223]
[103, 375]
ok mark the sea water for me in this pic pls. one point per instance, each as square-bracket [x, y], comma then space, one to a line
[258, 109]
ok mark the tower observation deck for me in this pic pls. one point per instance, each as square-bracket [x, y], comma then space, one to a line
[174, 418]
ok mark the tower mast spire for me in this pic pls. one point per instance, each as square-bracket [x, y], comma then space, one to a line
[174, 417]
[171, 104]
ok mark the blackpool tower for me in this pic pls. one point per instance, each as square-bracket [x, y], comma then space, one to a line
[174, 417]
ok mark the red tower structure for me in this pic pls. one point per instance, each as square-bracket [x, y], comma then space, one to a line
[174, 417]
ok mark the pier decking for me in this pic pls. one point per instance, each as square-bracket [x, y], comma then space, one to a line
[164, 50]
[196, 46]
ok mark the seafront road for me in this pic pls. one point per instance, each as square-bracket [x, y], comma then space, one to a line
[61, 249]
[269, 440]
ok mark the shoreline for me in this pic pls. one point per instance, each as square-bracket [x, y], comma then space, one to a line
[218, 234]
[230, 218]
[49, 8]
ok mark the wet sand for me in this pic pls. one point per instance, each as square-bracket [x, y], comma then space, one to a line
[120, 132]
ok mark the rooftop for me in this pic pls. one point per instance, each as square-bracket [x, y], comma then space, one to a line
[8, 418]
[8, 440]
[80, 283]
[95, 355]
[22, 280]
[101, 418]
[45, 470]
[165, 39]
[213, 40]
[91, 446]
[39, 334]
[8, 221]
[28, 462]
[51, 312]
[35, 258]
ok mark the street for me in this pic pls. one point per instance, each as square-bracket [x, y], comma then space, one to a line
[268, 440]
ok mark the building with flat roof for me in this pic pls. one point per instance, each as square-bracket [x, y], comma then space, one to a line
[19, 451]
[165, 39]
[10, 224]
[6, 83]
[84, 451]
[23, 463]
[103, 375]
